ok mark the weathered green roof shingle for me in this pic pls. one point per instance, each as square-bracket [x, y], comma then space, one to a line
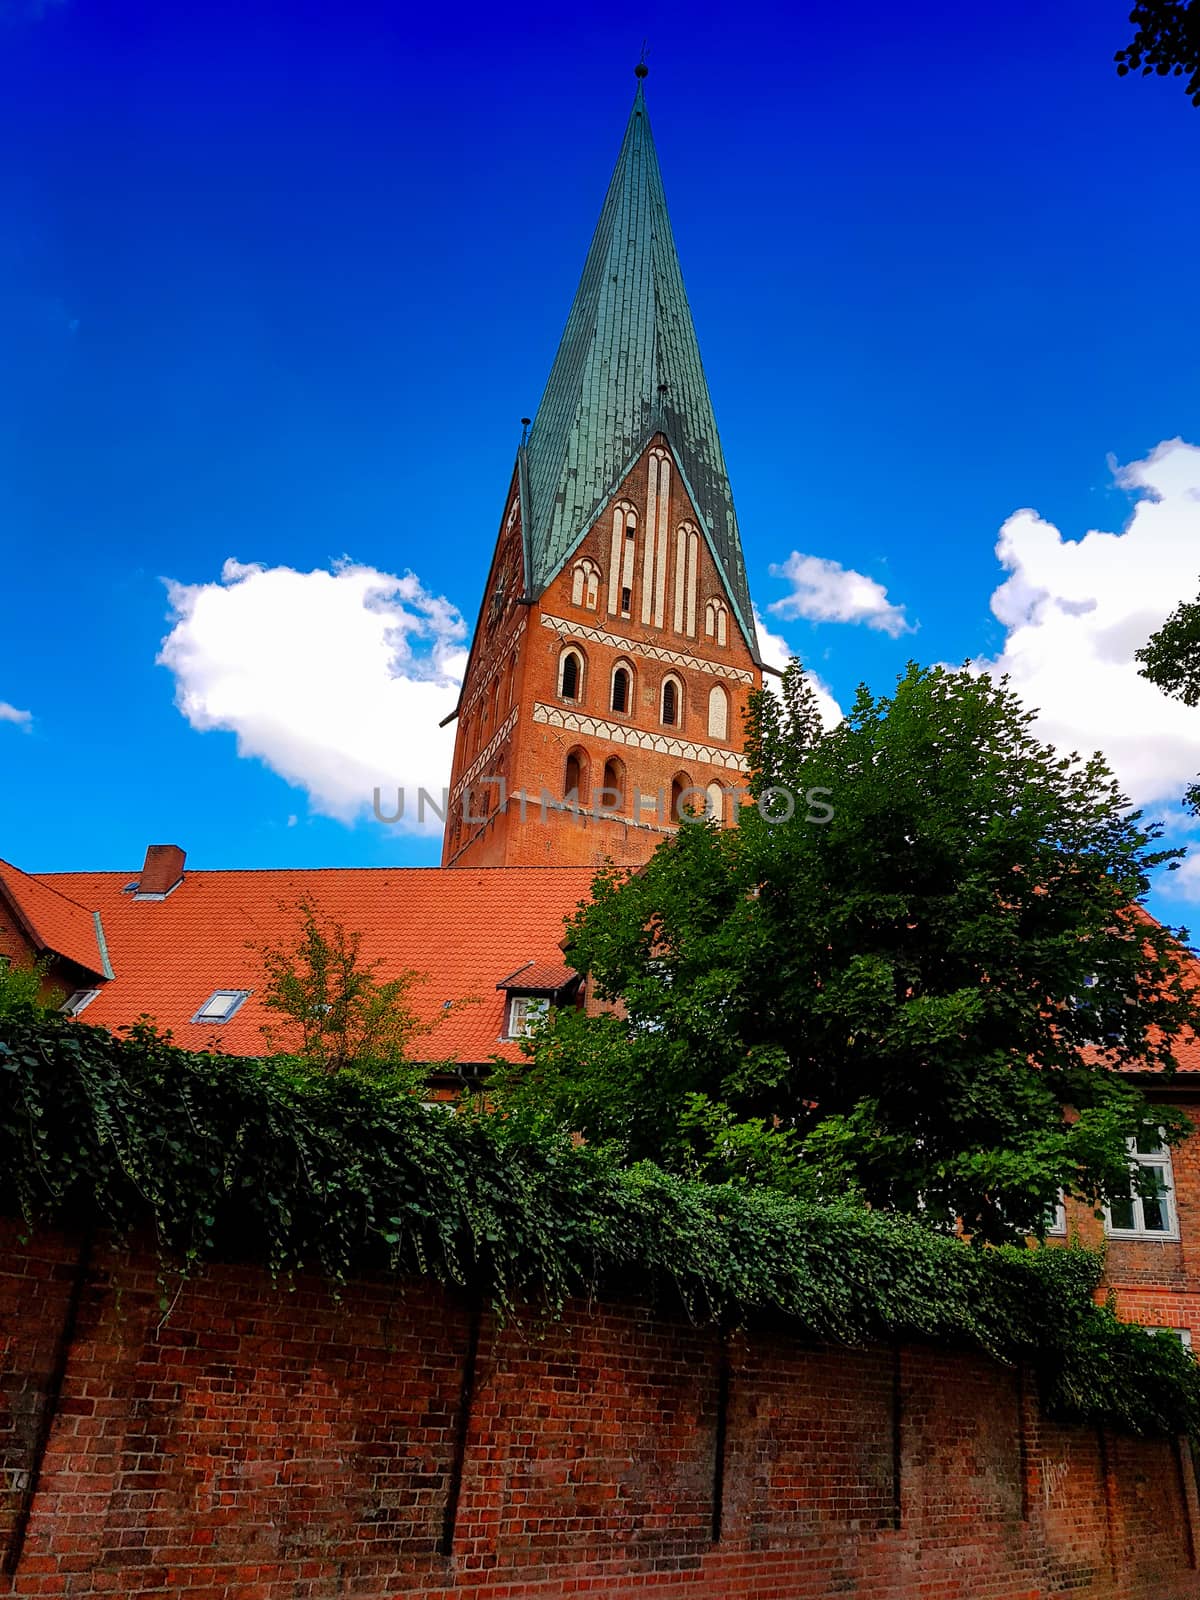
[628, 366]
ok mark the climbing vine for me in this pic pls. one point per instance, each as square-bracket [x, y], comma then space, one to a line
[226, 1157]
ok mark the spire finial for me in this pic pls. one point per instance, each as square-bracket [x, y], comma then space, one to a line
[641, 69]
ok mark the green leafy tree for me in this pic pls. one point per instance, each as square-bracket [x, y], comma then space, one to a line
[1166, 42]
[24, 991]
[922, 997]
[1171, 661]
[334, 1009]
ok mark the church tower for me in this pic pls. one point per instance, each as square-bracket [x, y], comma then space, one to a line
[615, 646]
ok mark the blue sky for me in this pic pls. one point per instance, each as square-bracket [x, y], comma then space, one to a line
[278, 281]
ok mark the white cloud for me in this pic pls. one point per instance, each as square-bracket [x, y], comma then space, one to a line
[825, 591]
[1076, 610]
[776, 652]
[23, 719]
[336, 680]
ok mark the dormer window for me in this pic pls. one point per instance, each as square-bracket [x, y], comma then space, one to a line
[77, 1002]
[221, 1005]
[525, 1012]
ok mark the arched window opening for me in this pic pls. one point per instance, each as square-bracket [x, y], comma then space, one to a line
[718, 713]
[671, 698]
[575, 775]
[585, 584]
[570, 679]
[680, 785]
[716, 621]
[715, 805]
[613, 796]
[620, 689]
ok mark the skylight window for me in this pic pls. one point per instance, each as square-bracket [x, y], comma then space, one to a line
[221, 1005]
[75, 1003]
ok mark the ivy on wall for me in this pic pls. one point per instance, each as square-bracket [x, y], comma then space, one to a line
[228, 1158]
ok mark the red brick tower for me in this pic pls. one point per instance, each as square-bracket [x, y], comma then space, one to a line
[615, 647]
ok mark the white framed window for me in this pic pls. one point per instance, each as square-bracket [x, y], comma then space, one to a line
[1150, 1215]
[525, 1011]
[77, 1002]
[671, 702]
[221, 1005]
[570, 675]
[1184, 1335]
[1056, 1219]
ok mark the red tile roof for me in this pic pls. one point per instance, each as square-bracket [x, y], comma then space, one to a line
[462, 931]
[538, 977]
[465, 932]
[56, 923]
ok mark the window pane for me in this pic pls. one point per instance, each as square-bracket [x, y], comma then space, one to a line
[1121, 1215]
[1149, 1142]
[1154, 1206]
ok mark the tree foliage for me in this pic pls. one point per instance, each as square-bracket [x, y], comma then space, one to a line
[1166, 42]
[25, 991]
[334, 1010]
[1171, 661]
[233, 1158]
[922, 999]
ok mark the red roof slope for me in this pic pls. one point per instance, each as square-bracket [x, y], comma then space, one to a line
[55, 922]
[462, 931]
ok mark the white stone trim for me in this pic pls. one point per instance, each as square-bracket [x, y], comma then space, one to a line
[653, 652]
[636, 738]
[648, 547]
[484, 755]
[664, 506]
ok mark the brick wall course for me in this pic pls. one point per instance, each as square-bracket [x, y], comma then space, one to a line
[266, 1442]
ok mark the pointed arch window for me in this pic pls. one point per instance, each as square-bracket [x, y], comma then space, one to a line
[682, 795]
[508, 683]
[585, 584]
[716, 621]
[621, 699]
[718, 713]
[715, 804]
[613, 795]
[575, 774]
[570, 675]
[672, 702]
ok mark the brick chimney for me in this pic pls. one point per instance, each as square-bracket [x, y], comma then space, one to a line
[162, 870]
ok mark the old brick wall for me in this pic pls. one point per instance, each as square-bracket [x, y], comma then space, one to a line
[268, 1444]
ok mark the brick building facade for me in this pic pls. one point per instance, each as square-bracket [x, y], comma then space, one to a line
[615, 647]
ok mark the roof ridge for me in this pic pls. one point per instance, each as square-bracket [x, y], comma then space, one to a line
[36, 877]
[201, 872]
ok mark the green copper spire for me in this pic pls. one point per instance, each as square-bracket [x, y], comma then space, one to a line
[628, 366]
